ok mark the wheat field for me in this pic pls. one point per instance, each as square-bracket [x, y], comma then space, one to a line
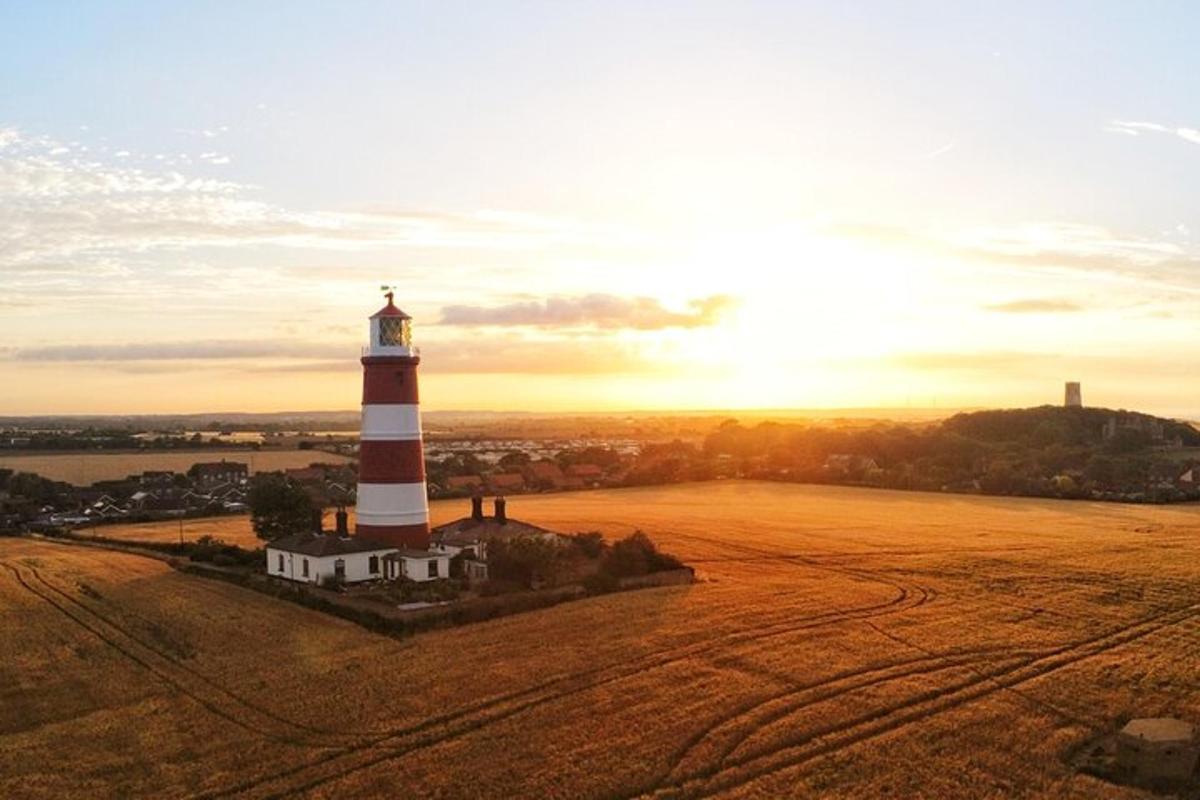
[843, 643]
[84, 469]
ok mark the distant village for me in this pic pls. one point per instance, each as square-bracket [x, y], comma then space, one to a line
[212, 487]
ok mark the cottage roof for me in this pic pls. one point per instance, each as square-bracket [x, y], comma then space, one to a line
[325, 544]
[544, 470]
[417, 555]
[507, 480]
[468, 530]
[390, 310]
[1160, 730]
[463, 481]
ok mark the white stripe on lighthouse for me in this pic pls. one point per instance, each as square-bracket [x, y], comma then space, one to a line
[398, 422]
[392, 504]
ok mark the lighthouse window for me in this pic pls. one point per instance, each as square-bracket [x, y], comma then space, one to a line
[394, 332]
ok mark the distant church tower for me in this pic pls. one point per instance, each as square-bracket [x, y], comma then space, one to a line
[392, 508]
[1074, 395]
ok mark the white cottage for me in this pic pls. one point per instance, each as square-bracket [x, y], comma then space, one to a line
[316, 557]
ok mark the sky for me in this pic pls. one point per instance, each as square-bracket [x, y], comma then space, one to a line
[600, 206]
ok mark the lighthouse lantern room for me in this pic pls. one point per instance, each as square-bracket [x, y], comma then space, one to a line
[392, 508]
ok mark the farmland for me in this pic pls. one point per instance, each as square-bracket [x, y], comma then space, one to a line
[83, 469]
[843, 642]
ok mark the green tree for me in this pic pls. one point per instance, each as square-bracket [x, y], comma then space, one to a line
[513, 460]
[278, 507]
[636, 554]
[524, 559]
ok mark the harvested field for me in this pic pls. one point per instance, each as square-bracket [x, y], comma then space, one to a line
[84, 469]
[846, 643]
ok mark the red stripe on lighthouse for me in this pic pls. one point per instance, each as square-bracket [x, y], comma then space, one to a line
[400, 461]
[413, 536]
[389, 379]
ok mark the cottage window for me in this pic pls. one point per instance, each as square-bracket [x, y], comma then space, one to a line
[304, 568]
[281, 562]
[433, 570]
[373, 565]
[339, 568]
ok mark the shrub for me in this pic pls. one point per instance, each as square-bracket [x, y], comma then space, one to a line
[499, 586]
[525, 560]
[600, 583]
[637, 555]
[590, 544]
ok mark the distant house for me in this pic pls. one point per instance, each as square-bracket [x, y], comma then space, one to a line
[156, 478]
[543, 475]
[585, 474]
[309, 474]
[502, 482]
[317, 557]
[1188, 478]
[463, 484]
[344, 492]
[846, 464]
[214, 472]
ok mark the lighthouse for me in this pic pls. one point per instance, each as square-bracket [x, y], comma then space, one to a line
[392, 508]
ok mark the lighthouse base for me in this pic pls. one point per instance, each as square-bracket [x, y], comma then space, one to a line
[412, 537]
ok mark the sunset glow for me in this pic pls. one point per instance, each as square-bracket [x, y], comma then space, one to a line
[720, 214]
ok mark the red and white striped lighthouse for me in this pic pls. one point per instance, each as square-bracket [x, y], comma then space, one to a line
[392, 508]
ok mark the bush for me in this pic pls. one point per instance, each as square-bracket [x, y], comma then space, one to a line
[526, 560]
[591, 544]
[499, 586]
[440, 591]
[600, 583]
[637, 555]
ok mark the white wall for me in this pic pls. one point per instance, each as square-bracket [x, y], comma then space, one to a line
[357, 565]
[417, 569]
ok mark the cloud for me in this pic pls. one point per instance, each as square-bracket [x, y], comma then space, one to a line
[506, 355]
[59, 205]
[1138, 128]
[939, 151]
[212, 349]
[593, 310]
[1035, 306]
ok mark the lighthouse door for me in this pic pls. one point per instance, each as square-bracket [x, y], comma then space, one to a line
[339, 569]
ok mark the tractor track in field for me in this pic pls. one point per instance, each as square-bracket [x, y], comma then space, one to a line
[747, 718]
[376, 747]
[158, 670]
[177, 663]
[464, 721]
[732, 772]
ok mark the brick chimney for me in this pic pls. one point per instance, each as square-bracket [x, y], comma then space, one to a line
[316, 521]
[477, 508]
[343, 521]
[501, 517]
